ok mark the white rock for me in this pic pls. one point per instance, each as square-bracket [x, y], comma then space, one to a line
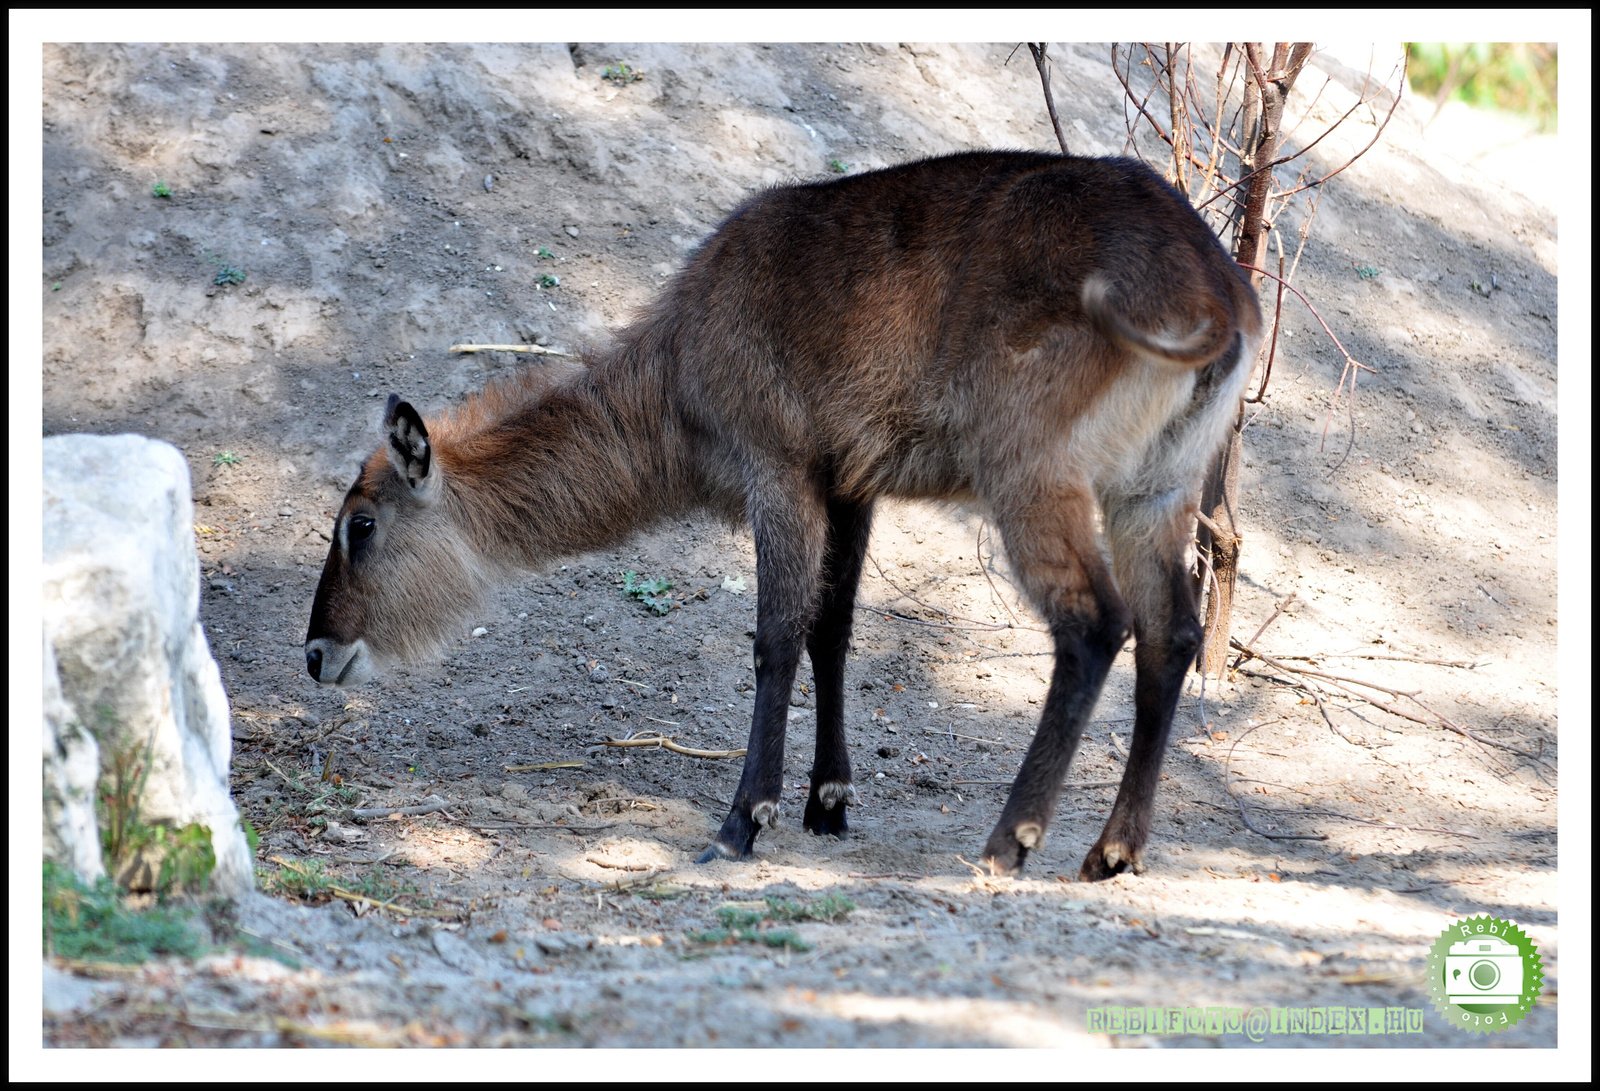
[71, 767]
[121, 613]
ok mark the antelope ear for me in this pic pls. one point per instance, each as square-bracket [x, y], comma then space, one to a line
[408, 437]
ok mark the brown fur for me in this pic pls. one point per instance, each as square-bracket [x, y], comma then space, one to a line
[1035, 335]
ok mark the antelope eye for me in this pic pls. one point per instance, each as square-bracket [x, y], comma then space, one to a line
[361, 528]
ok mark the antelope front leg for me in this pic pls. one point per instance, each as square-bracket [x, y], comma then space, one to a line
[790, 534]
[832, 789]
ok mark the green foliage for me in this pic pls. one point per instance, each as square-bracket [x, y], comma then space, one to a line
[741, 924]
[652, 593]
[549, 280]
[621, 73]
[226, 458]
[92, 923]
[839, 166]
[1515, 76]
[161, 189]
[252, 838]
[118, 794]
[183, 857]
[306, 879]
[226, 274]
[544, 252]
[1366, 272]
[377, 885]
[828, 908]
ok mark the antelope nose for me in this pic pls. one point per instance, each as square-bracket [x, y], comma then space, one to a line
[314, 663]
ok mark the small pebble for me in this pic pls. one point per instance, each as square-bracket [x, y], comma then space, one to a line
[573, 231]
[488, 182]
[480, 631]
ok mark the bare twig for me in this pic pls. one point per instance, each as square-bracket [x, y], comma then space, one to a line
[543, 766]
[1271, 661]
[1281, 607]
[1277, 324]
[1049, 99]
[1467, 664]
[537, 350]
[545, 826]
[984, 568]
[1238, 800]
[433, 803]
[665, 742]
[1068, 784]
[1326, 329]
[617, 867]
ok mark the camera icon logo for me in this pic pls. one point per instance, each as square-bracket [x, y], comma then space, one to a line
[1483, 970]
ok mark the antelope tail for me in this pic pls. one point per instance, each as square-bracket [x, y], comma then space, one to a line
[1194, 349]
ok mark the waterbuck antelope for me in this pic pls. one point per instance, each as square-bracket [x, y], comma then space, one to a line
[1036, 336]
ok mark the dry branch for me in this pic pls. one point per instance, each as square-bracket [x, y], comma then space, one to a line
[665, 742]
[538, 350]
[429, 806]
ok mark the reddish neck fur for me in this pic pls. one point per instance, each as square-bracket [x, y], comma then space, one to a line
[535, 470]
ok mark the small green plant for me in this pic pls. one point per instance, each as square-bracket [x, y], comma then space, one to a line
[377, 885]
[828, 908]
[226, 458]
[544, 252]
[91, 922]
[161, 189]
[652, 593]
[621, 73]
[739, 925]
[549, 280]
[1366, 272]
[56, 287]
[226, 274]
[305, 879]
[839, 166]
[743, 924]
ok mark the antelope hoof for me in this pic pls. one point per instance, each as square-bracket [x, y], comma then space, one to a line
[1109, 858]
[737, 838]
[764, 815]
[719, 851]
[1007, 850]
[826, 807]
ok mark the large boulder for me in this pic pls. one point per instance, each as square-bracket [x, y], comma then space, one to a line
[121, 618]
[71, 767]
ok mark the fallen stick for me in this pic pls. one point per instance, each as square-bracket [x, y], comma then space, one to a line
[537, 350]
[1281, 607]
[1467, 664]
[885, 875]
[665, 743]
[1308, 672]
[542, 767]
[434, 804]
[959, 735]
[352, 896]
[376, 903]
[617, 867]
[545, 826]
[1068, 784]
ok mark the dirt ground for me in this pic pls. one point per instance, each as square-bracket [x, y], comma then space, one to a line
[383, 203]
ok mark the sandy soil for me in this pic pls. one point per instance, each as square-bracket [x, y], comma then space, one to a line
[384, 203]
